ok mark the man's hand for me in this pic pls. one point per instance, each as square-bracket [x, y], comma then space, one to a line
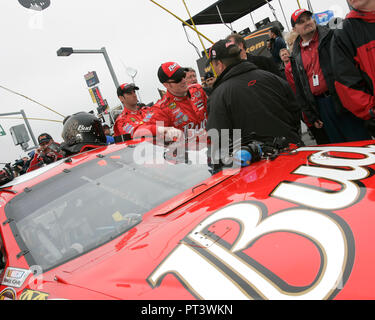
[170, 133]
[318, 124]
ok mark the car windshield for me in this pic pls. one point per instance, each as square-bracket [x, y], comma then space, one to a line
[91, 204]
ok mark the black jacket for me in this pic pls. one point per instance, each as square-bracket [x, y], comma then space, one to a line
[254, 100]
[264, 63]
[303, 92]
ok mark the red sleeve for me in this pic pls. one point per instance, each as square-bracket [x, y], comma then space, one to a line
[118, 127]
[34, 163]
[162, 115]
[289, 76]
[350, 83]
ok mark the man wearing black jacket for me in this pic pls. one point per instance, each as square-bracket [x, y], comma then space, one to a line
[313, 77]
[262, 62]
[252, 100]
[353, 55]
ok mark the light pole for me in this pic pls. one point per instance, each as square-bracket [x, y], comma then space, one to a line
[132, 73]
[67, 51]
[36, 144]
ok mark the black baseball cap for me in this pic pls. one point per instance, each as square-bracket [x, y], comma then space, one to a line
[171, 71]
[209, 75]
[296, 16]
[223, 49]
[126, 88]
[44, 137]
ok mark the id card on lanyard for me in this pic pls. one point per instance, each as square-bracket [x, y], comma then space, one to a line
[315, 80]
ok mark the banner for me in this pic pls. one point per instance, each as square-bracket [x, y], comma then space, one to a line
[256, 43]
[98, 97]
[322, 18]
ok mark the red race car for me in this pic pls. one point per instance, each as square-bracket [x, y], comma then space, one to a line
[143, 221]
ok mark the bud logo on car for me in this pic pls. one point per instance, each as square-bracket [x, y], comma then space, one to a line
[15, 277]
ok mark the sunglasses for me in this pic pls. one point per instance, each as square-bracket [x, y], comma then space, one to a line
[177, 80]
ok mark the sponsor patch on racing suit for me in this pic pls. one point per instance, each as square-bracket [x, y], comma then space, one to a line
[129, 121]
[189, 113]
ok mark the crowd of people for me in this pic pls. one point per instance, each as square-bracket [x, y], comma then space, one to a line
[322, 76]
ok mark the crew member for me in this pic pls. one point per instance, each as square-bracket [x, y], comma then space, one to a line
[183, 107]
[191, 76]
[249, 99]
[262, 62]
[313, 76]
[353, 56]
[48, 152]
[107, 132]
[138, 121]
[209, 79]
[276, 44]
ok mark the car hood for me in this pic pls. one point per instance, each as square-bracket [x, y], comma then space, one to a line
[298, 227]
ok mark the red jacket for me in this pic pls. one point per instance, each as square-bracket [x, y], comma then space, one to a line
[184, 113]
[289, 76]
[128, 122]
[353, 57]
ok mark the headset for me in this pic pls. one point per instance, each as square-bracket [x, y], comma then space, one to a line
[248, 154]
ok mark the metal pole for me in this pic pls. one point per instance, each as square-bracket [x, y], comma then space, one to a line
[286, 21]
[178, 18]
[29, 128]
[106, 57]
[222, 20]
[137, 91]
[200, 39]
[252, 19]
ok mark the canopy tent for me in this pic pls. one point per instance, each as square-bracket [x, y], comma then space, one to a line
[229, 11]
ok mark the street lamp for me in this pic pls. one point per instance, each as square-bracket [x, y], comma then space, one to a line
[132, 73]
[67, 51]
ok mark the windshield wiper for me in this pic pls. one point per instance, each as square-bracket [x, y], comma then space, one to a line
[22, 253]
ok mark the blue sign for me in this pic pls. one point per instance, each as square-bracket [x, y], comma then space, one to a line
[91, 79]
[323, 18]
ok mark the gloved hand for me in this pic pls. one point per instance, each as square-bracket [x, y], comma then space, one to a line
[170, 133]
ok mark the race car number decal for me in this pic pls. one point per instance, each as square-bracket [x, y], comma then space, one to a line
[211, 268]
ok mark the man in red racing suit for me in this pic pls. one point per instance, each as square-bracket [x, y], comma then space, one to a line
[131, 118]
[138, 122]
[183, 107]
[353, 55]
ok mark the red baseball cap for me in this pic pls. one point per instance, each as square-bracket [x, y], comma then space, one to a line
[171, 71]
[297, 15]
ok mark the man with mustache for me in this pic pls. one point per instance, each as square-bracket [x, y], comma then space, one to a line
[313, 76]
[353, 55]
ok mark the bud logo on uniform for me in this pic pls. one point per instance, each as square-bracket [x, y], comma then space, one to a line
[172, 67]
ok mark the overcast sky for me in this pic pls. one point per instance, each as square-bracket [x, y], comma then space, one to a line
[136, 34]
